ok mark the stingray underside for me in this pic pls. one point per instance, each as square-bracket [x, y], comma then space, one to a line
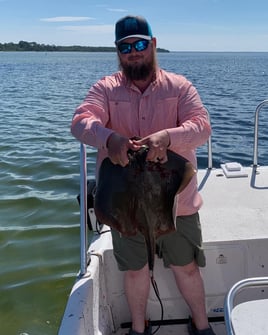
[140, 195]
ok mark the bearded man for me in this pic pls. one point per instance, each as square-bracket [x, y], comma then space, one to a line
[165, 111]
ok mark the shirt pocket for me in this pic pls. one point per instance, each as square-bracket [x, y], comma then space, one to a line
[166, 112]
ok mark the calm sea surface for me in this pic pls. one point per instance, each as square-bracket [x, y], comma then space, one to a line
[39, 163]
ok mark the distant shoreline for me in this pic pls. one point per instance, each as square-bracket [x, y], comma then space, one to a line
[33, 46]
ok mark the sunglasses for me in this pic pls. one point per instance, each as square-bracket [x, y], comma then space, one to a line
[126, 48]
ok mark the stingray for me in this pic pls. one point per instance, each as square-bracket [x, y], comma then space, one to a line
[140, 196]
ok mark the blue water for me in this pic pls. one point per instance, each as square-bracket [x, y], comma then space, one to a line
[39, 163]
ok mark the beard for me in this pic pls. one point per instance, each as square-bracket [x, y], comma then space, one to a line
[138, 71]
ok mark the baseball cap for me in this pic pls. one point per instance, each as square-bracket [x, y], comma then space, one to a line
[132, 26]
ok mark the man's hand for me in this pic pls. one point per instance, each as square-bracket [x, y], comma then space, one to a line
[118, 147]
[157, 144]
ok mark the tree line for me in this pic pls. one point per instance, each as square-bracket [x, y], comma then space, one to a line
[33, 46]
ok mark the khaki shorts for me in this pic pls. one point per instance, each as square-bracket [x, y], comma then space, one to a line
[178, 248]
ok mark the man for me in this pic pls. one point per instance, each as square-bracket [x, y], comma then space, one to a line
[165, 111]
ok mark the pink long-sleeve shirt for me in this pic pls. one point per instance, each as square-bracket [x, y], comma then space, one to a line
[171, 102]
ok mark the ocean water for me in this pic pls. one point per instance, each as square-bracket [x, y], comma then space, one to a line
[39, 163]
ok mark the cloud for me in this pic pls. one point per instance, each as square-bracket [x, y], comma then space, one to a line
[119, 10]
[105, 6]
[67, 19]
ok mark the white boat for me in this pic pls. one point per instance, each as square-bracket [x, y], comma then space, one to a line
[235, 232]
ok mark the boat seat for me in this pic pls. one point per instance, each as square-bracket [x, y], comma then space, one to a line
[248, 317]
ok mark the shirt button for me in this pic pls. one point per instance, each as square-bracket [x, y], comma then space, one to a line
[143, 118]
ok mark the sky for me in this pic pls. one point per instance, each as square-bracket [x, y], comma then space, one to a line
[188, 25]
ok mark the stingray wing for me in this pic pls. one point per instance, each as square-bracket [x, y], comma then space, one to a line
[114, 205]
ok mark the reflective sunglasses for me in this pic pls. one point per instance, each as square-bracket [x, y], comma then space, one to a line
[126, 48]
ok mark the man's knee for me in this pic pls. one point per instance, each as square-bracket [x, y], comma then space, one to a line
[189, 270]
[133, 274]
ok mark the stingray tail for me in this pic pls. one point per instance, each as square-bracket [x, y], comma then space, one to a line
[157, 294]
[150, 244]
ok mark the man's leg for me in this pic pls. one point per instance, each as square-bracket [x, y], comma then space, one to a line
[137, 286]
[190, 283]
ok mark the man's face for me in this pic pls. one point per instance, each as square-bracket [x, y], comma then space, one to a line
[138, 65]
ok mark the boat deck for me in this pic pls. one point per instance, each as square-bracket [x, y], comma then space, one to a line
[234, 208]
